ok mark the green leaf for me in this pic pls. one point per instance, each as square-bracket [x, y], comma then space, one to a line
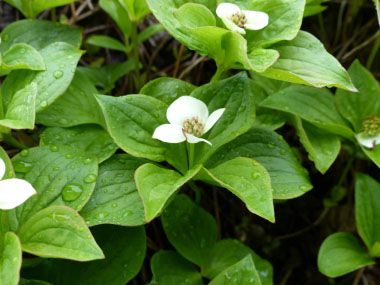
[33, 282]
[269, 119]
[89, 138]
[9, 171]
[236, 96]
[285, 19]
[150, 32]
[106, 76]
[115, 199]
[61, 175]
[39, 34]
[156, 185]
[190, 229]
[304, 60]
[377, 5]
[76, 106]
[242, 272]
[323, 147]
[167, 89]
[22, 56]
[249, 181]
[140, 115]
[262, 59]
[115, 9]
[373, 154]
[124, 249]
[193, 15]
[168, 267]
[61, 60]
[317, 106]
[137, 9]
[106, 42]
[340, 254]
[367, 211]
[10, 259]
[288, 178]
[227, 252]
[59, 232]
[20, 111]
[355, 107]
[31, 8]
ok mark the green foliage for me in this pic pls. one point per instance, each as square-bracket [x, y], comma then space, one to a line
[10, 259]
[340, 254]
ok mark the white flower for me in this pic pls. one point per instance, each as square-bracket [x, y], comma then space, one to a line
[237, 20]
[189, 120]
[13, 192]
[368, 141]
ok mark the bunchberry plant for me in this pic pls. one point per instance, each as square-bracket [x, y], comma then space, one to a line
[189, 142]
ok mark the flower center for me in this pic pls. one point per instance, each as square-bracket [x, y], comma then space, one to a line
[371, 125]
[193, 126]
[239, 19]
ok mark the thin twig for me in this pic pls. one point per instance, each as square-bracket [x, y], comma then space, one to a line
[181, 49]
[359, 47]
[358, 276]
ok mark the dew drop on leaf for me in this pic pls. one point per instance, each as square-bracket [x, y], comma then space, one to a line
[22, 166]
[90, 178]
[58, 74]
[24, 153]
[71, 192]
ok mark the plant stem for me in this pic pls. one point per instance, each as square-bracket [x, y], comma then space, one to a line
[196, 190]
[12, 141]
[218, 74]
[135, 45]
[53, 15]
[190, 153]
[347, 168]
[373, 53]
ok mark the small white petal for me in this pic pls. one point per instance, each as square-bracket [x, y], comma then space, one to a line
[368, 141]
[14, 192]
[2, 168]
[232, 26]
[226, 10]
[214, 117]
[169, 133]
[194, 139]
[256, 20]
[184, 108]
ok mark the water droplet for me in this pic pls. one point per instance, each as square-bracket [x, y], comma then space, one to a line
[58, 74]
[271, 145]
[127, 213]
[24, 153]
[68, 156]
[5, 37]
[22, 51]
[129, 98]
[44, 104]
[90, 178]
[69, 57]
[87, 160]
[62, 66]
[54, 148]
[71, 192]
[283, 151]
[114, 205]
[101, 215]
[22, 166]
[256, 175]
[60, 217]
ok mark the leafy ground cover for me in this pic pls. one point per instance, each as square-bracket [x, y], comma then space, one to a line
[189, 142]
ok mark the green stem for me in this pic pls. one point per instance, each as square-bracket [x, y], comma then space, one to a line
[190, 153]
[347, 168]
[12, 141]
[373, 53]
[4, 227]
[218, 74]
[196, 190]
[135, 45]
[53, 15]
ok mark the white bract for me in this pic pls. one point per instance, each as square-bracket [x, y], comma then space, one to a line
[368, 141]
[189, 120]
[237, 20]
[13, 192]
